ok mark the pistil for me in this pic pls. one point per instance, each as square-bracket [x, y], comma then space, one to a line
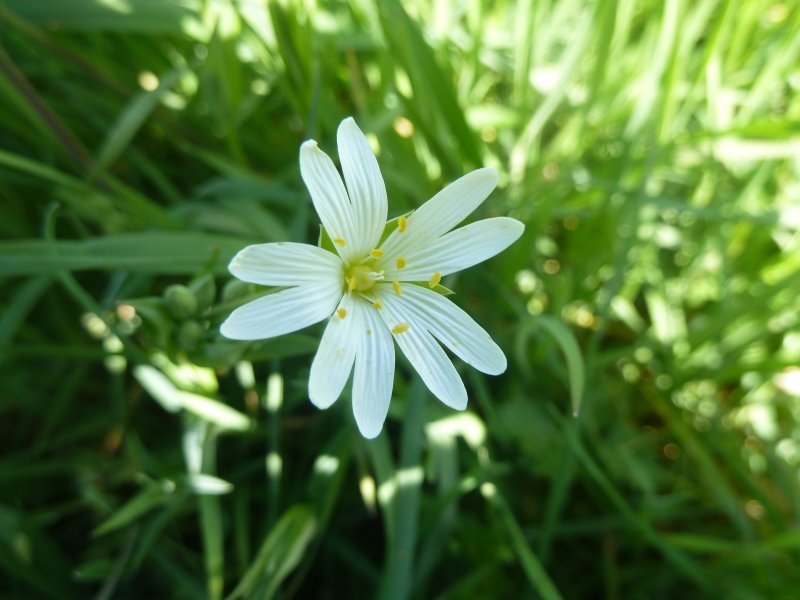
[361, 277]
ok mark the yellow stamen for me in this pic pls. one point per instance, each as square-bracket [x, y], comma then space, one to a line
[377, 304]
[401, 263]
[342, 312]
[400, 328]
[351, 283]
[396, 288]
[339, 241]
[401, 224]
[437, 277]
[376, 253]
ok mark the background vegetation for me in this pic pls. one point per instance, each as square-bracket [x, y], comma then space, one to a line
[650, 147]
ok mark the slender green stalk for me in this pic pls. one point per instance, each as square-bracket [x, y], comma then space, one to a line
[402, 493]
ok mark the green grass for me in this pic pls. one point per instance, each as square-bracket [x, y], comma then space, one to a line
[651, 148]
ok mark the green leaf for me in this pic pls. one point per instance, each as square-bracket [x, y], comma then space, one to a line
[121, 134]
[140, 16]
[143, 502]
[572, 353]
[563, 337]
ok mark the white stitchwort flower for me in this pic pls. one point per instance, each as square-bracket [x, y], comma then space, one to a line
[374, 290]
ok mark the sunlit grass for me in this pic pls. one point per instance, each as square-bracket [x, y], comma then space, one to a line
[651, 148]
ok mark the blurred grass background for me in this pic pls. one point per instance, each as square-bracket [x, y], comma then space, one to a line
[651, 148]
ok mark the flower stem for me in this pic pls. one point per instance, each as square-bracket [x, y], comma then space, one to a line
[398, 572]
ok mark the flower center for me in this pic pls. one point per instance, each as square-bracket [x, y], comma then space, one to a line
[361, 277]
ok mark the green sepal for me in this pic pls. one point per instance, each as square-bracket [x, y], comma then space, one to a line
[438, 288]
[325, 242]
[391, 226]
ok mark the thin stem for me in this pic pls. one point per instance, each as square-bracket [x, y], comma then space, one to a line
[405, 485]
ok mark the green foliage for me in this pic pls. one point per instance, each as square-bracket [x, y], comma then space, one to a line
[651, 148]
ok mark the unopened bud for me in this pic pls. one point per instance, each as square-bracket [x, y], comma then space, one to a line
[190, 334]
[235, 289]
[205, 288]
[181, 301]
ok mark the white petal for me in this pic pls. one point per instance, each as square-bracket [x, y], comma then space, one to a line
[364, 185]
[444, 211]
[374, 373]
[282, 312]
[328, 195]
[457, 250]
[455, 329]
[334, 359]
[285, 264]
[425, 355]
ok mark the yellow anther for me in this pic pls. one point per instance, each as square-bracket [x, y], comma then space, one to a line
[437, 277]
[376, 253]
[401, 224]
[401, 263]
[400, 328]
[342, 312]
[377, 304]
[339, 241]
[351, 283]
[397, 289]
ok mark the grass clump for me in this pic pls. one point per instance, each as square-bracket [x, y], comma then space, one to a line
[651, 150]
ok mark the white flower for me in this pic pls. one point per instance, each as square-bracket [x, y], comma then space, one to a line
[373, 290]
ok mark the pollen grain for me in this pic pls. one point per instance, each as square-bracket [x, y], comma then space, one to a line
[342, 312]
[400, 328]
[437, 277]
[377, 304]
[339, 241]
[376, 253]
[397, 289]
[401, 263]
[402, 223]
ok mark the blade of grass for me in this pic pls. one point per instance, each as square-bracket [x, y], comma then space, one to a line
[279, 554]
[133, 117]
[181, 253]
[537, 576]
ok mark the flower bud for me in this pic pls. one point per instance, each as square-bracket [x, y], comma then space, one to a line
[234, 289]
[181, 301]
[190, 334]
[205, 288]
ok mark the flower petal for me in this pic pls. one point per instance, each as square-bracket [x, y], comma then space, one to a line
[455, 329]
[329, 196]
[457, 250]
[374, 373]
[364, 185]
[443, 212]
[334, 358]
[282, 312]
[425, 355]
[285, 264]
